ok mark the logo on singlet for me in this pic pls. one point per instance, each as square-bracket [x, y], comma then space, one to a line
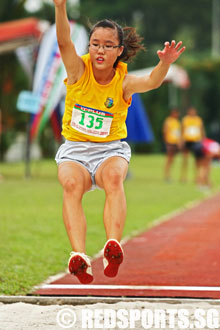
[109, 102]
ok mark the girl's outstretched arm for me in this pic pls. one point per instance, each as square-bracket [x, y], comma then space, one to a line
[134, 84]
[72, 62]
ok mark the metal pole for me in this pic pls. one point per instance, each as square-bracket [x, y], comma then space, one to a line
[215, 28]
[172, 96]
[28, 150]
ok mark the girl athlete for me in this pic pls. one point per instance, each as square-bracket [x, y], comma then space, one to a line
[99, 92]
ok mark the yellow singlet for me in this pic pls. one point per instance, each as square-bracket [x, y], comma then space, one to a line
[95, 112]
[172, 130]
[192, 128]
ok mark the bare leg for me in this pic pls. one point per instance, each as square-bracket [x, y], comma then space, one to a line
[168, 164]
[75, 180]
[184, 166]
[110, 176]
[206, 170]
[200, 163]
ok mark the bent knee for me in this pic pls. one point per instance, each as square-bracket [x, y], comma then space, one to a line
[114, 178]
[71, 185]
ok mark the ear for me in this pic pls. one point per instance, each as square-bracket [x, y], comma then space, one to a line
[120, 50]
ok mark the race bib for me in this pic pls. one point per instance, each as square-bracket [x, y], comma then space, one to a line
[91, 121]
[176, 133]
[192, 131]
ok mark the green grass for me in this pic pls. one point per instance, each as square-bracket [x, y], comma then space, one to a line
[33, 241]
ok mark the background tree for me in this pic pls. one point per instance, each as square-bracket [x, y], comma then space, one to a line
[157, 21]
[12, 79]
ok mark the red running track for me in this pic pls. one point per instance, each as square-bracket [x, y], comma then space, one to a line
[178, 258]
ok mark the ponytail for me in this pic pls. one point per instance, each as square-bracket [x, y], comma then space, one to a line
[132, 44]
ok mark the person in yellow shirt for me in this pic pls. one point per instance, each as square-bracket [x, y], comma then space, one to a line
[193, 133]
[99, 92]
[171, 136]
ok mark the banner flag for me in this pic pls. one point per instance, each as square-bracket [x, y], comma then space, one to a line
[50, 73]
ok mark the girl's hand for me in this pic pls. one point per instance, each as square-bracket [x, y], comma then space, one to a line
[59, 2]
[171, 52]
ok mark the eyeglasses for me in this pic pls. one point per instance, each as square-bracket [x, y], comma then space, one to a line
[95, 46]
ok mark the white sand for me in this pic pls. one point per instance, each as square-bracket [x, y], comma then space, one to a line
[25, 316]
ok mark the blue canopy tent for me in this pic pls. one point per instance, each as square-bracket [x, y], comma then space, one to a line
[138, 125]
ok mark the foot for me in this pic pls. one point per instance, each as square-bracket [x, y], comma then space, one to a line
[80, 266]
[113, 257]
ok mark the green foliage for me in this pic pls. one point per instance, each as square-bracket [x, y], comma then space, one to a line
[157, 21]
[204, 92]
[12, 81]
[11, 10]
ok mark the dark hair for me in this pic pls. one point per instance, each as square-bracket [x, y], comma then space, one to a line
[174, 109]
[127, 36]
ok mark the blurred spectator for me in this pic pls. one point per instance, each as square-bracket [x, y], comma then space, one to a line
[211, 149]
[192, 135]
[171, 136]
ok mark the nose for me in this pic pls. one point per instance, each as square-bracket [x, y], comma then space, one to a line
[101, 49]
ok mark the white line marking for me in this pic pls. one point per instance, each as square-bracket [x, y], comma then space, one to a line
[129, 287]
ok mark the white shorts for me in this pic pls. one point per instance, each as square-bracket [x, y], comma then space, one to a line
[92, 154]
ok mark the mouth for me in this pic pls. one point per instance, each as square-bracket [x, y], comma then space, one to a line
[100, 59]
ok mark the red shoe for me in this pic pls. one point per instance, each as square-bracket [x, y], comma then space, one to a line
[80, 266]
[113, 257]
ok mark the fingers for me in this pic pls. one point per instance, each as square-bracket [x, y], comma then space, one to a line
[179, 45]
[174, 45]
[171, 48]
[181, 50]
[159, 52]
